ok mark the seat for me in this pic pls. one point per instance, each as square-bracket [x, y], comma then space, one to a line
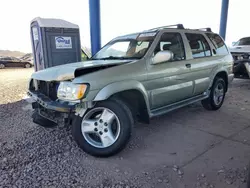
[194, 45]
[176, 49]
[166, 46]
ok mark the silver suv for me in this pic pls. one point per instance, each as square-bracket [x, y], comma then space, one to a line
[133, 77]
[241, 54]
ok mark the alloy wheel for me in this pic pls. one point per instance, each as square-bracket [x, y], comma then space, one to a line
[100, 127]
[218, 94]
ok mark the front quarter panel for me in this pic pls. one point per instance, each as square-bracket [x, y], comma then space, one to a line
[106, 82]
[117, 87]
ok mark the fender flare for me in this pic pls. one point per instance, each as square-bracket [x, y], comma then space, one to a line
[120, 86]
[221, 69]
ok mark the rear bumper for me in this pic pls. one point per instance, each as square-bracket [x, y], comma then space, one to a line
[49, 104]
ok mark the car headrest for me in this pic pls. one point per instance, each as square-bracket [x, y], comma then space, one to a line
[194, 44]
[166, 46]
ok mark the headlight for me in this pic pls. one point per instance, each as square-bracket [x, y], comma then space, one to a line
[69, 91]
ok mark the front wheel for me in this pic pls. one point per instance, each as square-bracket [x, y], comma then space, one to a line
[217, 95]
[2, 66]
[105, 129]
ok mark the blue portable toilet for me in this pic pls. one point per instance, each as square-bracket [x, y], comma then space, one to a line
[54, 42]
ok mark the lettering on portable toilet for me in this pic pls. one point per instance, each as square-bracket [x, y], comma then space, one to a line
[35, 33]
[63, 42]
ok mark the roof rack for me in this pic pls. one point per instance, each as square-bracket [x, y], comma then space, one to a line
[178, 26]
[205, 29]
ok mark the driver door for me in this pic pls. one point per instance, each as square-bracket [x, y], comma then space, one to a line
[8, 62]
[169, 82]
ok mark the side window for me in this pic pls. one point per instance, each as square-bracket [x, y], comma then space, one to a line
[218, 43]
[142, 46]
[198, 44]
[7, 59]
[172, 42]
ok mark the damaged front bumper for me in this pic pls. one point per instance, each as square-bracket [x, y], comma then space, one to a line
[49, 113]
[241, 68]
[49, 104]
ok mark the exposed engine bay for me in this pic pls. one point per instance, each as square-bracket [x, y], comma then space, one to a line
[241, 68]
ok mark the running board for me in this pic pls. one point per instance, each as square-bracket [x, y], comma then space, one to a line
[171, 107]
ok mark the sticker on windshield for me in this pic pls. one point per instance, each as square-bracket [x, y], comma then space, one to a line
[63, 42]
[147, 34]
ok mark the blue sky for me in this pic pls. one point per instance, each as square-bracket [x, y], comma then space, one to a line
[119, 17]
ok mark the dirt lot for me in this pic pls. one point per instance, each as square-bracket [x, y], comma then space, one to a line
[190, 147]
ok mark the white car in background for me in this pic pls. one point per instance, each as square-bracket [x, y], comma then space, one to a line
[28, 57]
[240, 51]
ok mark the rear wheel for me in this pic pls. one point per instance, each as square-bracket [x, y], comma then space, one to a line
[2, 66]
[217, 95]
[105, 129]
[27, 65]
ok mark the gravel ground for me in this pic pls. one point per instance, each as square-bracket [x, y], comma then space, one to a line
[13, 84]
[173, 151]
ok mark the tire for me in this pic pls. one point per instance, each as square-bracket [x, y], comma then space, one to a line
[2, 66]
[120, 127]
[211, 103]
[27, 65]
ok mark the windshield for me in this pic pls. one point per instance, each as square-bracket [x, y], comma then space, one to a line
[130, 48]
[243, 42]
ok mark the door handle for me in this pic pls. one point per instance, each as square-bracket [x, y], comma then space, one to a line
[188, 65]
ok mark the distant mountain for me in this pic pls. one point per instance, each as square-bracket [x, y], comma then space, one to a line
[11, 53]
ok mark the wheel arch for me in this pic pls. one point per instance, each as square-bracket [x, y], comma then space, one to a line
[223, 74]
[132, 93]
[27, 63]
[219, 72]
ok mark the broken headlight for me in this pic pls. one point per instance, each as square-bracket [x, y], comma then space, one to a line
[69, 91]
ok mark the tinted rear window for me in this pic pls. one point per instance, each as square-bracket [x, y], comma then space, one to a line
[198, 44]
[218, 43]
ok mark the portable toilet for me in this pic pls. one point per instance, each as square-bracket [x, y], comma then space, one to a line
[54, 42]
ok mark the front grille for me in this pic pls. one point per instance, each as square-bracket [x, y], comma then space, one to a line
[48, 88]
[239, 56]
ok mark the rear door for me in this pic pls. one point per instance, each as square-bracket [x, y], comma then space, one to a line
[203, 61]
[16, 62]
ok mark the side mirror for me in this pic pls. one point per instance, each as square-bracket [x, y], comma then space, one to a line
[162, 56]
[233, 43]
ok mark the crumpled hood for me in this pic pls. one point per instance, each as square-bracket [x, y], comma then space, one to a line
[240, 49]
[67, 71]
